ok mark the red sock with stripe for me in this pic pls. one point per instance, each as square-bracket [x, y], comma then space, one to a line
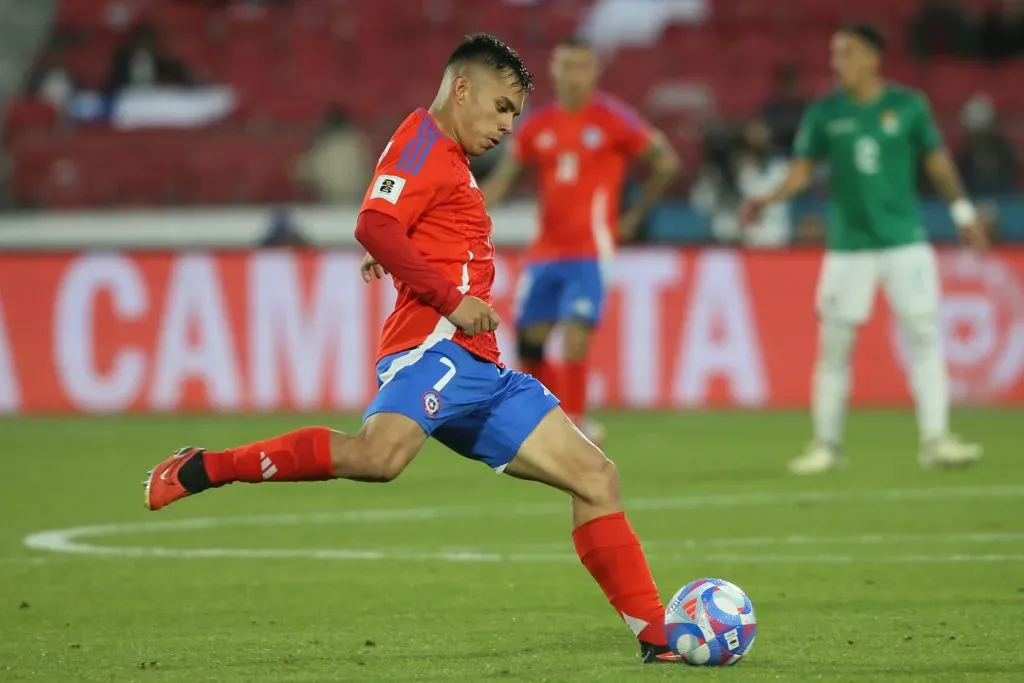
[302, 455]
[611, 552]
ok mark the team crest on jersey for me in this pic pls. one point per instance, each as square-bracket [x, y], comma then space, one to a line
[545, 140]
[592, 137]
[890, 122]
[431, 403]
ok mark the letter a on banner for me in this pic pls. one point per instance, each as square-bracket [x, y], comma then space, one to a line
[10, 395]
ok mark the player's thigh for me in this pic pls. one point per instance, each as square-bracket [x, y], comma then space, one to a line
[557, 454]
[384, 446]
[494, 432]
[425, 388]
[910, 279]
[847, 285]
[537, 295]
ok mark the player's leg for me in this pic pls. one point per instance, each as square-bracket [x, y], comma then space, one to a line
[536, 311]
[580, 311]
[522, 432]
[911, 281]
[416, 396]
[378, 452]
[557, 454]
[845, 297]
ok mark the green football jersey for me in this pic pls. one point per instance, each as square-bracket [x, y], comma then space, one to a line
[873, 151]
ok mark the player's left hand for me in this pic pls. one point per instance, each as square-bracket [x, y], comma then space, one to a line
[371, 270]
[629, 225]
[974, 235]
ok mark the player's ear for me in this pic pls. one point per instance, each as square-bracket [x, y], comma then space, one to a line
[460, 88]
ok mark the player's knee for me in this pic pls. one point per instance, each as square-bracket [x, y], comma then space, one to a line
[921, 332]
[599, 483]
[836, 342]
[529, 349]
[577, 341]
[383, 458]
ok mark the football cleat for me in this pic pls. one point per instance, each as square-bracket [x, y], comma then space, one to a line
[949, 452]
[163, 485]
[658, 654]
[818, 459]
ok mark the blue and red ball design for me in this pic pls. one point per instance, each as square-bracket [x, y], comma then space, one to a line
[710, 622]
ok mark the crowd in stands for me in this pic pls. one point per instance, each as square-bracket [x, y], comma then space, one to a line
[193, 102]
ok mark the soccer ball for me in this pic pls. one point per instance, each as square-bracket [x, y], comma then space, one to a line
[710, 622]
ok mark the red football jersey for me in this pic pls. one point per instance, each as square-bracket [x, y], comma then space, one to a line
[423, 180]
[582, 157]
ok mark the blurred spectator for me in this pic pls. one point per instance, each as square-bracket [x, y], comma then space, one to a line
[752, 168]
[784, 108]
[1002, 31]
[942, 28]
[283, 232]
[759, 170]
[987, 158]
[714, 193]
[338, 163]
[140, 62]
[50, 80]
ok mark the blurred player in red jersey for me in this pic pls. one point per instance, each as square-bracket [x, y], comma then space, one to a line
[582, 146]
[423, 220]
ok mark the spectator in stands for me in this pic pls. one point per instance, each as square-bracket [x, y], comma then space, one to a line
[1002, 31]
[942, 28]
[140, 62]
[759, 170]
[49, 79]
[785, 107]
[338, 163]
[987, 158]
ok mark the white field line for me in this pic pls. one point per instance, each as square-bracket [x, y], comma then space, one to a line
[67, 540]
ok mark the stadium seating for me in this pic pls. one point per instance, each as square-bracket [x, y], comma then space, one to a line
[288, 63]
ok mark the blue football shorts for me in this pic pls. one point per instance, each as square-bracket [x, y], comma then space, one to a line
[470, 405]
[551, 292]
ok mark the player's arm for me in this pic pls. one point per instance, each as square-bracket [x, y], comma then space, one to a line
[939, 165]
[502, 178]
[404, 188]
[663, 165]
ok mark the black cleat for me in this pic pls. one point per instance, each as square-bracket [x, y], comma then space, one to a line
[657, 654]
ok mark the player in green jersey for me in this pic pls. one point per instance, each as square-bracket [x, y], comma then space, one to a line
[872, 134]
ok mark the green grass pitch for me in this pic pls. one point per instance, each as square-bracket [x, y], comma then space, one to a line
[881, 572]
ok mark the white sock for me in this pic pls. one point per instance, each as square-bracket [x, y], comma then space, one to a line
[928, 379]
[831, 385]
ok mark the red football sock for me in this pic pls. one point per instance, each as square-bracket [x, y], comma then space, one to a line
[302, 455]
[574, 389]
[547, 373]
[611, 552]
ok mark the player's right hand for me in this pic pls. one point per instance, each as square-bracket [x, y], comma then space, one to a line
[974, 236]
[371, 270]
[751, 210]
[474, 316]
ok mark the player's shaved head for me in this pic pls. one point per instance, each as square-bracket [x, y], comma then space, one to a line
[574, 70]
[486, 50]
[484, 88]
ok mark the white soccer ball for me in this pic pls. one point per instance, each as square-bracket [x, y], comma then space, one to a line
[710, 622]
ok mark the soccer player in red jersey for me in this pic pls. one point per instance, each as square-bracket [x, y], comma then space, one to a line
[581, 146]
[423, 220]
